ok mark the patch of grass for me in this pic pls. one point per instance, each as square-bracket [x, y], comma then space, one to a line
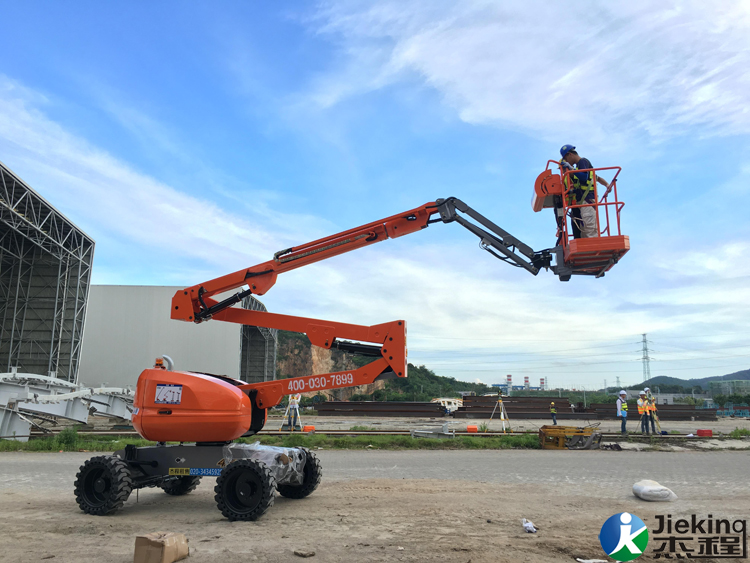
[675, 432]
[483, 427]
[739, 433]
[356, 428]
[530, 441]
[73, 442]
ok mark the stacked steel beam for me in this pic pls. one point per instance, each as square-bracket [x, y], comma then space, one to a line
[516, 407]
[379, 408]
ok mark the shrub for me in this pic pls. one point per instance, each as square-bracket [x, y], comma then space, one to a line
[67, 440]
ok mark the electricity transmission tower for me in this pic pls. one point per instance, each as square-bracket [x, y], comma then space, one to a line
[646, 360]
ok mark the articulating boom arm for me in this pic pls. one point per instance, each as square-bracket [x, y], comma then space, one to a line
[513, 250]
[197, 304]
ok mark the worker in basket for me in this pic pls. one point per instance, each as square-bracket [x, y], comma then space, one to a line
[582, 192]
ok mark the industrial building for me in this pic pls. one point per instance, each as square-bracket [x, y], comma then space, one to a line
[45, 271]
[128, 327]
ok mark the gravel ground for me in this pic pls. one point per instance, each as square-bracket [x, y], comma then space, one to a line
[455, 506]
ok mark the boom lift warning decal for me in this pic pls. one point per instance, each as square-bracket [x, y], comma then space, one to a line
[168, 394]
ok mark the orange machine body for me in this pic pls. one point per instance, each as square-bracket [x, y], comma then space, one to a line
[178, 406]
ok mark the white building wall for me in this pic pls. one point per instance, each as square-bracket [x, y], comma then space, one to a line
[128, 327]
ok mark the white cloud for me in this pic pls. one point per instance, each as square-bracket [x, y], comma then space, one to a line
[110, 198]
[587, 69]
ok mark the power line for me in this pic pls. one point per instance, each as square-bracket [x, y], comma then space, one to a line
[538, 369]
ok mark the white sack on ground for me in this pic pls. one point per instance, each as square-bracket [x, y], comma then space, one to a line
[653, 491]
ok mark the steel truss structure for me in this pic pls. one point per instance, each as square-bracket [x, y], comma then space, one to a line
[45, 272]
[257, 348]
[28, 400]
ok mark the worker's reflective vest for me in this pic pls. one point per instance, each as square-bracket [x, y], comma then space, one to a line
[642, 406]
[553, 410]
[651, 406]
[623, 405]
[578, 194]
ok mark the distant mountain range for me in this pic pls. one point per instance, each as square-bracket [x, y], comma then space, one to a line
[688, 383]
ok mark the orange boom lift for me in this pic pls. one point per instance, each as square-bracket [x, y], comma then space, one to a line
[212, 411]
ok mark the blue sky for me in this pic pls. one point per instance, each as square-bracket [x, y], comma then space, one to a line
[191, 140]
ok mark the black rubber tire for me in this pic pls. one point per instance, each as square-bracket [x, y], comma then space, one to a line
[312, 472]
[180, 486]
[245, 489]
[102, 485]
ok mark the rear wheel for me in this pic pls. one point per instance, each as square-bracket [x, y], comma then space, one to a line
[245, 490]
[180, 485]
[312, 473]
[102, 485]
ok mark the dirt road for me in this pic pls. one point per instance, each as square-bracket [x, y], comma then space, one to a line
[433, 504]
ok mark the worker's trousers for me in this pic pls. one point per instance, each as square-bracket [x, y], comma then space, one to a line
[588, 218]
[554, 419]
[622, 425]
[644, 423]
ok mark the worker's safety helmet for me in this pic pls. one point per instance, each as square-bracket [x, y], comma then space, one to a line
[623, 392]
[552, 403]
[566, 149]
[642, 393]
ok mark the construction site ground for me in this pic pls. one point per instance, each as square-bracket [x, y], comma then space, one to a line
[674, 441]
[421, 506]
[322, 423]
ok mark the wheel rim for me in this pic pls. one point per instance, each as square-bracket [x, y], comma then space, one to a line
[97, 486]
[243, 491]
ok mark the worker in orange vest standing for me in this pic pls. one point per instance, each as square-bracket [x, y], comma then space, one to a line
[650, 409]
[643, 412]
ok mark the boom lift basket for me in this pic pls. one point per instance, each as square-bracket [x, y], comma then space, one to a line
[584, 256]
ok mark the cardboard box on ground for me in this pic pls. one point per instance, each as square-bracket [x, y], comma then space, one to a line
[160, 547]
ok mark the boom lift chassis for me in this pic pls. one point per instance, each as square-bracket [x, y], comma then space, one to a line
[248, 475]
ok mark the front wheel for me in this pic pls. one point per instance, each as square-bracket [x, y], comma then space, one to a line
[312, 473]
[102, 485]
[245, 490]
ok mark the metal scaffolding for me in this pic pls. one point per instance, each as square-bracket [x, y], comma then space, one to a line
[45, 271]
[257, 348]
